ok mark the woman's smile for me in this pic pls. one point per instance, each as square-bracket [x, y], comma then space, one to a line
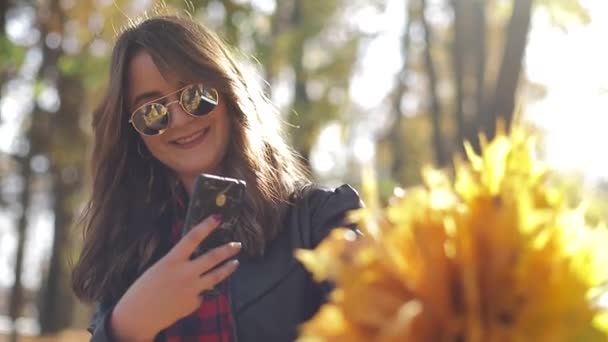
[191, 140]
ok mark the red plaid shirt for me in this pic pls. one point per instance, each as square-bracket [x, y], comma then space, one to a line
[212, 321]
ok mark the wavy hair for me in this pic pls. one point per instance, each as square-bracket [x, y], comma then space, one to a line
[129, 211]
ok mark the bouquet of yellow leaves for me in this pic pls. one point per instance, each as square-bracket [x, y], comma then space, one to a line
[495, 255]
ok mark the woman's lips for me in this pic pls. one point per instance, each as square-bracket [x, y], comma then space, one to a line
[191, 140]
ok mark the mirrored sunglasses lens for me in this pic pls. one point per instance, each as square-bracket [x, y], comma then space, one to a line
[151, 119]
[199, 100]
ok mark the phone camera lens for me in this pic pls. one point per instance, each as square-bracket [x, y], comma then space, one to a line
[220, 200]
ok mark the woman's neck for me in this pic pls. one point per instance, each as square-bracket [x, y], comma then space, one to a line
[188, 183]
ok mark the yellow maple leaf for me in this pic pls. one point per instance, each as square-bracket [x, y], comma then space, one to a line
[494, 255]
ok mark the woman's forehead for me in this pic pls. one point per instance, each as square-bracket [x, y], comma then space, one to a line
[146, 79]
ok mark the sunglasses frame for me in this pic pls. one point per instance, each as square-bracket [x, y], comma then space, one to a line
[153, 102]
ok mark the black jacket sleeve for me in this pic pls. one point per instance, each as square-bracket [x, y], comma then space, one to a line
[100, 323]
[328, 211]
[329, 208]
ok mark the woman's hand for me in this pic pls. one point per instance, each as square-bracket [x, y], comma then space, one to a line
[170, 289]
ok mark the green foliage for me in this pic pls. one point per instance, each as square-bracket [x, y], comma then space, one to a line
[11, 55]
[565, 12]
[90, 68]
[69, 65]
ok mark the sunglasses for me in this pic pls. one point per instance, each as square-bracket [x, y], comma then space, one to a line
[153, 118]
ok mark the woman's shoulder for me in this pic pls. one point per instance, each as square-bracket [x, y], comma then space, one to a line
[319, 209]
[320, 198]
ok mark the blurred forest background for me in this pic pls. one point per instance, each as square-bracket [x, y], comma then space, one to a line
[396, 83]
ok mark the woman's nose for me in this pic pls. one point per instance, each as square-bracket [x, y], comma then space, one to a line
[177, 116]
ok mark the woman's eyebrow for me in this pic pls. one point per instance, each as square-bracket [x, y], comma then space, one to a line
[148, 95]
[155, 94]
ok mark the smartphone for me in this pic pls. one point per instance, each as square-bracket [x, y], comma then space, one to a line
[214, 195]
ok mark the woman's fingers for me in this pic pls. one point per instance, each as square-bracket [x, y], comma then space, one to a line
[202, 265]
[215, 256]
[188, 244]
[212, 278]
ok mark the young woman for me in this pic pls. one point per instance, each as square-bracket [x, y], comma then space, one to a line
[178, 105]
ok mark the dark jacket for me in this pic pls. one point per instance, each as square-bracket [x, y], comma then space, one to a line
[270, 296]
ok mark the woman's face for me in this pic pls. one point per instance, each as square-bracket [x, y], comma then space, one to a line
[190, 145]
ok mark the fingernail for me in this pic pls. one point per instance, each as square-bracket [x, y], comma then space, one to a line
[234, 263]
[217, 217]
[236, 245]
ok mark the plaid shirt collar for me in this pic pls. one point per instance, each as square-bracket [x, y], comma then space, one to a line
[212, 321]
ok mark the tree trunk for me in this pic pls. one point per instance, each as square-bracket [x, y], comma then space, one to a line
[440, 155]
[459, 46]
[281, 21]
[511, 66]
[56, 296]
[57, 300]
[479, 18]
[4, 7]
[479, 58]
[56, 141]
[230, 26]
[16, 298]
[301, 104]
[394, 135]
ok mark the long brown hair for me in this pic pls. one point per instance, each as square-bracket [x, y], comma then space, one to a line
[129, 209]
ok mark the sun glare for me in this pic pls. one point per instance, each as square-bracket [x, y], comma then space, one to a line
[571, 65]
